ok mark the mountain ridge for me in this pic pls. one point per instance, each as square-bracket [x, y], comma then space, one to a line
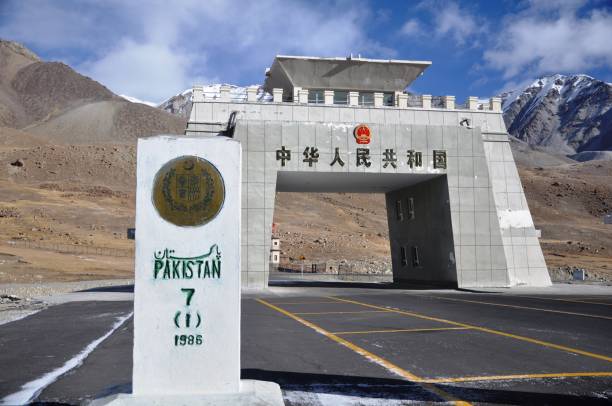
[566, 114]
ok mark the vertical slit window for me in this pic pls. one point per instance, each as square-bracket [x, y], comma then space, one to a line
[410, 208]
[399, 214]
[404, 256]
[416, 261]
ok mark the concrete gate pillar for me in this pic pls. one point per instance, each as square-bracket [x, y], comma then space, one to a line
[421, 233]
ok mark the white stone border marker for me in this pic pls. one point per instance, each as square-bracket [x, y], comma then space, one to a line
[187, 283]
[202, 354]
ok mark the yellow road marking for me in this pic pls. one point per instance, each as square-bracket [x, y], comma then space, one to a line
[358, 311]
[484, 329]
[565, 300]
[523, 376]
[408, 330]
[365, 353]
[522, 307]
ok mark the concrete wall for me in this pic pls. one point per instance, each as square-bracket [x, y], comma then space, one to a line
[427, 227]
[524, 258]
[203, 113]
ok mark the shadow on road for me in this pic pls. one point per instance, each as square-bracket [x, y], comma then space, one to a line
[358, 285]
[117, 288]
[397, 389]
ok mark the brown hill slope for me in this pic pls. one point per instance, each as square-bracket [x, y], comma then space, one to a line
[47, 88]
[13, 57]
[53, 101]
[11, 138]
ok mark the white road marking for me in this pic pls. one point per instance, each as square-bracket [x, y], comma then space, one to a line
[32, 389]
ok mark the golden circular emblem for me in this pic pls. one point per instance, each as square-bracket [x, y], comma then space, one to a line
[188, 191]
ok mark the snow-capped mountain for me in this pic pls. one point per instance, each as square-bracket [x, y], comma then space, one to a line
[565, 114]
[135, 100]
[180, 104]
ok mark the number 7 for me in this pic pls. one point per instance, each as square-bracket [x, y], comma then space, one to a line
[189, 293]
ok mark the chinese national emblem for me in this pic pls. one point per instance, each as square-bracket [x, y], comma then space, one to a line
[362, 134]
[188, 191]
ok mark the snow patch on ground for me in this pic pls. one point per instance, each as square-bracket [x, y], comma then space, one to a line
[351, 394]
[338, 399]
[8, 316]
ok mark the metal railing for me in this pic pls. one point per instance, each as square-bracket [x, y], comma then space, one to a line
[71, 249]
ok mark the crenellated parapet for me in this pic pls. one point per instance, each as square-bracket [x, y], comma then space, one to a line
[329, 97]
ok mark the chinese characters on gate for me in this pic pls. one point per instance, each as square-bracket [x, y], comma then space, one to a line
[414, 159]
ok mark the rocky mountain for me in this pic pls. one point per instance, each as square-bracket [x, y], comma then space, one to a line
[178, 105]
[564, 114]
[52, 101]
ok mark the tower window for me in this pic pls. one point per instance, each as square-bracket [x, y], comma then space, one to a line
[341, 97]
[388, 99]
[315, 96]
[366, 99]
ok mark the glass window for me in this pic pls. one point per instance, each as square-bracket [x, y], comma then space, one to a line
[366, 99]
[388, 99]
[340, 97]
[315, 96]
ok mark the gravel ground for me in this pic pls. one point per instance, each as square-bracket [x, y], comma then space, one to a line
[19, 300]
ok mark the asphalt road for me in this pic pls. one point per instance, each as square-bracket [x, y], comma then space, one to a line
[335, 343]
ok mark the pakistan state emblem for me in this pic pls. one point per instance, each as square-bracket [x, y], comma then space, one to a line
[188, 191]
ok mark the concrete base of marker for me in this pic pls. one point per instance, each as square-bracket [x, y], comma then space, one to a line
[252, 392]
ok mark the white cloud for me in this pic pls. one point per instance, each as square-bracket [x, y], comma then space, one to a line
[411, 27]
[150, 71]
[545, 40]
[555, 5]
[449, 22]
[457, 23]
[151, 50]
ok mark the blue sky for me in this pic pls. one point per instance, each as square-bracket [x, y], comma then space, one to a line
[154, 49]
